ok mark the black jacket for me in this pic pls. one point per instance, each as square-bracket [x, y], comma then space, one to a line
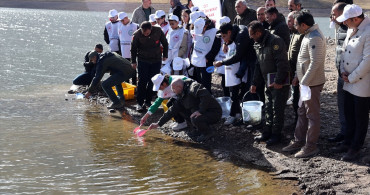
[113, 63]
[280, 28]
[177, 10]
[244, 50]
[194, 97]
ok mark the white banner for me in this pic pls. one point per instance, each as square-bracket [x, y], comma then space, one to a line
[212, 8]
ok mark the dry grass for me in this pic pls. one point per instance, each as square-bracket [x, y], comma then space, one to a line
[324, 4]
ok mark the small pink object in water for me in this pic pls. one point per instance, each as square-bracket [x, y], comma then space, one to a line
[141, 132]
[137, 129]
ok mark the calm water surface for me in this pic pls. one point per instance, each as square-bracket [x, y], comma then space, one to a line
[49, 145]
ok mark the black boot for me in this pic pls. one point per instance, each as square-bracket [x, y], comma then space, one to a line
[274, 139]
[266, 133]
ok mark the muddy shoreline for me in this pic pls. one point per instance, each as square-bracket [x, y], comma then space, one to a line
[322, 174]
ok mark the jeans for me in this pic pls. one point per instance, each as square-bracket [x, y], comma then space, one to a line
[340, 102]
[115, 80]
[146, 71]
[83, 79]
[356, 111]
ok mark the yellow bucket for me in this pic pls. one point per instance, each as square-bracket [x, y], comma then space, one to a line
[128, 91]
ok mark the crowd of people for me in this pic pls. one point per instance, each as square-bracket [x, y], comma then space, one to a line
[282, 59]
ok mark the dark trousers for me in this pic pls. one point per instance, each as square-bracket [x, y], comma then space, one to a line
[296, 95]
[115, 80]
[178, 118]
[356, 111]
[235, 97]
[134, 75]
[224, 88]
[203, 121]
[203, 77]
[83, 79]
[146, 71]
[340, 101]
[275, 108]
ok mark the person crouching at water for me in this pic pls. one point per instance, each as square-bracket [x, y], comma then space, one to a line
[111, 32]
[90, 68]
[162, 85]
[194, 103]
[206, 47]
[126, 29]
[120, 70]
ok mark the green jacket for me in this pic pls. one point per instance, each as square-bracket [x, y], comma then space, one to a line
[194, 97]
[272, 58]
[154, 107]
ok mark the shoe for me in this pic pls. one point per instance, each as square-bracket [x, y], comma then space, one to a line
[274, 139]
[293, 146]
[204, 137]
[306, 152]
[140, 108]
[178, 126]
[338, 138]
[351, 155]
[262, 138]
[340, 149]
[115, 106]
[229, 120]
[289, 101]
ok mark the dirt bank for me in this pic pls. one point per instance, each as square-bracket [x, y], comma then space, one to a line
[322, 174]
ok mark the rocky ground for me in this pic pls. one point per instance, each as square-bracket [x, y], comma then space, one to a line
[322, 174]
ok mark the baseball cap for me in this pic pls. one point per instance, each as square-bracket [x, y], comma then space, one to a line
[173, 18]
[193, 17]
[159, 14]
[178, 63]
[157, 81]
[202, 14]
[198, 26]
[122, 15]
[224, 20]
[112, 13]
[152, 18]
[350, 11]
[194, 9]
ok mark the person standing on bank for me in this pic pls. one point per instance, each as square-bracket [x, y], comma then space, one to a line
[146, 48]
[311, 77]
[272, 59]
[111, 31]
[160, 16]
[278, 25]
[294, 47]
[143, 12]
[176, 8]
[120, 70]
[355, 69]
[205, 48]
[244, 14]
[340, 36]
[126, 30]
[261, 17]
[240, 58]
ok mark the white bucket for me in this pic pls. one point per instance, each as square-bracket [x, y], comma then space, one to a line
[225, 103]
[252, 112]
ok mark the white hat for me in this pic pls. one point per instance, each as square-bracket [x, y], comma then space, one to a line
[193, 17]
[159, 14]
[173, 17]
[202, 14]
[122, 15]
[198, 26]
[194, 9]
[157, 81]
[224, 20]
[112, 13]
[350, 11]
[178, 63]
[152, 18]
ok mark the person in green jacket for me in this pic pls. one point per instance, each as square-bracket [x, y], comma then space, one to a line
[162, 85]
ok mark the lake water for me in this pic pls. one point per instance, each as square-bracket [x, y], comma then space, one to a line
[49, 145]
